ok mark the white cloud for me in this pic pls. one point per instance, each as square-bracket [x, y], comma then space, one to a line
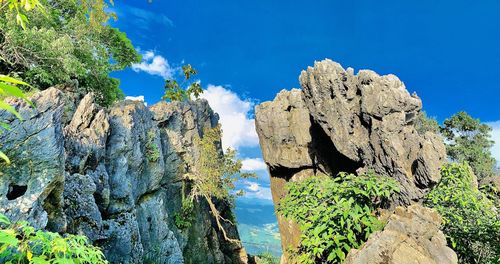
[254, 187]
[253, 164]
[495, 134]
[238, 129]
[254, 190]
[139, 98]
[155, 65]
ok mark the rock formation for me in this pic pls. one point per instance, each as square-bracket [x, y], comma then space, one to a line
[411, 235]
[341, 121]
[91, 170]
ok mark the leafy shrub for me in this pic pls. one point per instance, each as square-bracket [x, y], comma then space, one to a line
[21, 243]
[152, 150]
[471, 223]
[334, 214]
[184, 218]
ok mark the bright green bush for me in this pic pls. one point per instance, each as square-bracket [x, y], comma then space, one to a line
[21, 243]
[334, 214]
[471, 223]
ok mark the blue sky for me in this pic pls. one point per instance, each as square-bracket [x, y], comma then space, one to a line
[246, 51]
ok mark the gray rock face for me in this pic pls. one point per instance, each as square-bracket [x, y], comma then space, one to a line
[80, 168]
[341, 121]
[411, 235]
[369, 119]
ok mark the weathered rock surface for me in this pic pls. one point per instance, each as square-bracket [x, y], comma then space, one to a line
[411, 236]
[80, 168]
[341, 121]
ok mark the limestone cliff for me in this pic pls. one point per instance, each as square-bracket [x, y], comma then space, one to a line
[341, 121]
[114, 175]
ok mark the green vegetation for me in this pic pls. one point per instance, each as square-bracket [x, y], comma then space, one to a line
[64, 40]
[469, 140]
[423, 124]
[21, 243]
[471, 223]
[20, 7]
[152, 150]
[183, 91]
[268, 258]
[335, 214]
[213, 175]
[184, 218]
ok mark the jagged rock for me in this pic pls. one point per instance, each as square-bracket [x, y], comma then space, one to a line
[286, 132]
[411, 235]
[81, 168]
[80, 206]
[31, 188]
[340, 121]
[180, 123]
[369, 119]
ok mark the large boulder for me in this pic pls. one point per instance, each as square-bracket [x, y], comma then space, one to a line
[411, 236]
[369, 119]
[341, 121]
[112, 174]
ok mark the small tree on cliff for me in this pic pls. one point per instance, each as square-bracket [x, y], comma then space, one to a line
[184, 90]
[469, 140]
[214, 174]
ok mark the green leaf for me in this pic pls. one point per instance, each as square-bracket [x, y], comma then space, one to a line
[4, 219]
[4, 157]
[10, 109]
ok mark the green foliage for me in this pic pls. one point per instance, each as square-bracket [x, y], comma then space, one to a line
[268, 258]
[471, 223]
[214, 173]
[152, 150]
[66, 40]
[492, 193]
[335, 214]
[424, 124]
[21, 243]
[469, 140]
[184, 218]
[183, 91]
[20, 7]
